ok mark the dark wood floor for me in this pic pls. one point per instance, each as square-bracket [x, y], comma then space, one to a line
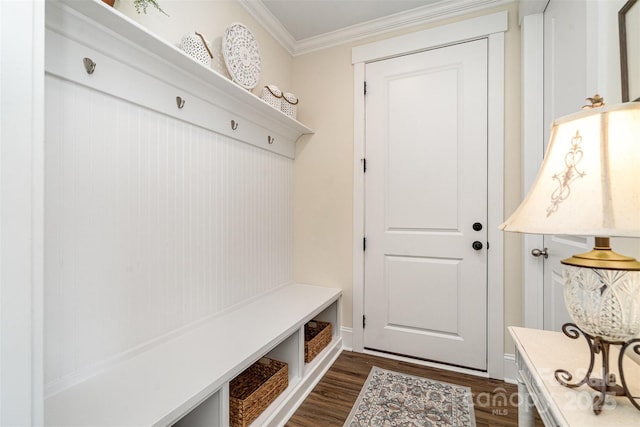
[329, 404]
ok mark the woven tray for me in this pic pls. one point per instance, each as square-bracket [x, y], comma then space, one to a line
[254, 389]
[317, 335]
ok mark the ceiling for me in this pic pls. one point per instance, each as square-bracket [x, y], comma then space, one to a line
[310, 18]
[303, 26]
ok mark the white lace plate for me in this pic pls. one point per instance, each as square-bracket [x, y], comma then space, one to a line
[241, 55]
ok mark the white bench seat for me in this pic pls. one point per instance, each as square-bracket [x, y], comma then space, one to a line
[162, 384]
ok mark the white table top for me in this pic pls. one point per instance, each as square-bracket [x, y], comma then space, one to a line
[543, 352]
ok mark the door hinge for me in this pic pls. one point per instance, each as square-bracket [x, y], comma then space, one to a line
[364, 321]
[365, 88]
[364, 165]
[364, 244]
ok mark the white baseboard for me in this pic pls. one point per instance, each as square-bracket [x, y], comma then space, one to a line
[347, 338]
[510, 370]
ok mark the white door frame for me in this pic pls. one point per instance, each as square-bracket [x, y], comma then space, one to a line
[533, 135]
[532, 42]
[491, 27]
[21, 212]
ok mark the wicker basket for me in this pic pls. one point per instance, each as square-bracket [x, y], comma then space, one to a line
[273, 96]
[317, 335]
[196, 46]
[254, 389]
[289, 104]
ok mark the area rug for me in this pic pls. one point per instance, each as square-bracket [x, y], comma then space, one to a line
[393, 399]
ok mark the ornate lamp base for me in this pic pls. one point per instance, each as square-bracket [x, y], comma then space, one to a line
[607, 385]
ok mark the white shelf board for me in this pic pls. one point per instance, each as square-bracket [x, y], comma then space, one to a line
[121, 24]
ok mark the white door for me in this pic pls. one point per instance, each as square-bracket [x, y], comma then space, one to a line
[566, 87]
[425, 188]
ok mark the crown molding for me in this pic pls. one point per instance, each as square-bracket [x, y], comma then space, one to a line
[260, 13]
[531, 7]
[398, 21]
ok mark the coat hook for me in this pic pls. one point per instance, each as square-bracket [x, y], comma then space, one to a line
[271, 139]
[89, 65]
[234, 125]
[180, 101]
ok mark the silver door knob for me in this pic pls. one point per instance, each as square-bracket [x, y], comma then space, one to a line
[537, 252]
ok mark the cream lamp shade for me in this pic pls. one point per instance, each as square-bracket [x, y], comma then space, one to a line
[589, 181]
[589, 184]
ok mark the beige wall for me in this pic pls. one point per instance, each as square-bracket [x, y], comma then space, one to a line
[323, 170]
[323, 173]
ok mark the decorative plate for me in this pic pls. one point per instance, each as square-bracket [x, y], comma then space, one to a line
[241, 55]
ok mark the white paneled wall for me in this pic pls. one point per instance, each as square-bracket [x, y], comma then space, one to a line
[151, 225]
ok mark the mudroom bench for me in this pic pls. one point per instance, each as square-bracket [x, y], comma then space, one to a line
[185, 380]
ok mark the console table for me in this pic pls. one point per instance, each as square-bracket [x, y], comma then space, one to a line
[538, 354]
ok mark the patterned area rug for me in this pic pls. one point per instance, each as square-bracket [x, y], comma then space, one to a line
[392, 399]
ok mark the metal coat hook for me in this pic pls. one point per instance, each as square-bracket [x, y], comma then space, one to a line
[89, 65]
[270, 139]
[234, 125]
[180, 101]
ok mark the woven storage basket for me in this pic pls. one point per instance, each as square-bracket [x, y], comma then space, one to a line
[290, 104]
[196, 46]
[317, 335]
[254, 389]
[273, 96]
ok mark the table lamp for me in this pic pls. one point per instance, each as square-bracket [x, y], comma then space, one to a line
[589, 185]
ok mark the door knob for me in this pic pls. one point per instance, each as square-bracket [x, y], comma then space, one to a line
[537, 252]
[477, 226]
[477, 245]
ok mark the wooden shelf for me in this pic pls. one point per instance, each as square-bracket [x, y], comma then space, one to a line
[133, 53]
